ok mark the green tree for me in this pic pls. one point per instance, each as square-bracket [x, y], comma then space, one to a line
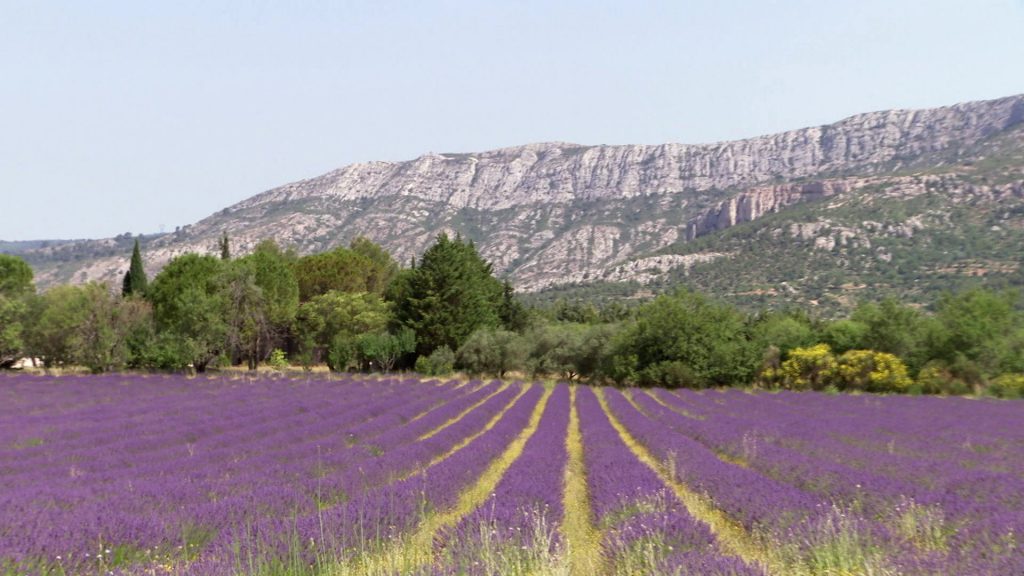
[190, 309]
[87, 326]
[224, 245]
[894, 328]
[784, 331]
[983, 328]
[246, 315]
[12, 338]
[340, 269]
[273, 273]
[15, 276]
[570, 351]
[440, 362]
[383, 349]
[493, 351]
[381, 269]
[451, 294]
[15, 291]
[347, 314]
[845, 334]
[577, 312]
[135, 281]
[685, 339]
[511, 311]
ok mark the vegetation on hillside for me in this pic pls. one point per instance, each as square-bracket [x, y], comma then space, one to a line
[354, 308]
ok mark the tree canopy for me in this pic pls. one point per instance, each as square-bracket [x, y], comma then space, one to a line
[190, 306]
[15, 276]
[448, 296]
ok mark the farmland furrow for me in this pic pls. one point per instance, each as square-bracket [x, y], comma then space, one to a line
[582, 539]
[515, 531]
[469, 439]
[455, 388]
[462, 414]
[408, 554]
[645, 528]
[673, 407]
[729, 534]
[924, 507]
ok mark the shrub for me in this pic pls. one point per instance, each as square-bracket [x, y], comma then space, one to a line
[341, 353]
[808, 368]
[441, 361]
[384, 348]
[277, 359]
[938, 378]
[870, 371]
[1007, 386]
[674, 374]
[493, 352]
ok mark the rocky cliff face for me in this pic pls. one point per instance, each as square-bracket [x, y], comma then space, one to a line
[553, 213]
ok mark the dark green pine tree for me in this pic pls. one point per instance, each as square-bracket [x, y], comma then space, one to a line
[135, 281]
[450, 293]
[511, 311]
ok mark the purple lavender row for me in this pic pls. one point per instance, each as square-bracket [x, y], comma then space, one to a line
[80, 486]
[635, 510]
[382, 511]
[933, 511]
[743, 494]
[877, 480]
[883, 431]
[149, 514]
[831, 484]
[849, 487]
[198, 515]
[106, 464]
[362, 469]
[847, 458]
[149, 418]
[527, 502]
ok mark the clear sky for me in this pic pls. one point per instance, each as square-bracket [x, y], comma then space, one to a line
[137, 115]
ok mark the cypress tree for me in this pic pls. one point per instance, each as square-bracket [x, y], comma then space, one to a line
[225, 247]
[135, 281]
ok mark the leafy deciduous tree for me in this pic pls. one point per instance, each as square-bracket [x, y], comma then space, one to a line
[685, 339]
[493, 351]
[190, 307]
[15, 290]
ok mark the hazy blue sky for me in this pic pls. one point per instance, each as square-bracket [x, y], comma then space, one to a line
[137, 116]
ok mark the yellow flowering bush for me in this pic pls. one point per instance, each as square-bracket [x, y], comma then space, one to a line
[808, 368]
[816, 367]
[1008, 386]
[871, 371]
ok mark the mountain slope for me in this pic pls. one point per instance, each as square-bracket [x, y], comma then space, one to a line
[554, 214]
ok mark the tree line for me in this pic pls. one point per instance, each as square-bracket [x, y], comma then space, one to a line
[355, 308]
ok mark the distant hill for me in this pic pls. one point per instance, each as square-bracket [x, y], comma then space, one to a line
[900, 201]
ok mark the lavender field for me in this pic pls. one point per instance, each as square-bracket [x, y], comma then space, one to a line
[376, 475]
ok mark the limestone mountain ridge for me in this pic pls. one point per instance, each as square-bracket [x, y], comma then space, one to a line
[552, 214]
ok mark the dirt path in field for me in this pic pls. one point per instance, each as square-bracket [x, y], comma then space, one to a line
[468, 439]
[462, 414]
[583, 540]
[436, 406]
[732, 538]
[672, 407]
[417, 551]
